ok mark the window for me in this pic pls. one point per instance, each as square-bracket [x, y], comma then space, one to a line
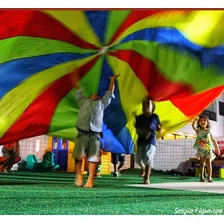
[211, 115]
[211, 111]
[212, 107]
[221, 108]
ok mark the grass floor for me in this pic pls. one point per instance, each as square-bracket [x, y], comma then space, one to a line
[32, 193]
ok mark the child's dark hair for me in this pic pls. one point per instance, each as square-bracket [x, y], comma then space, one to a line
[208, 122]
[146, 102]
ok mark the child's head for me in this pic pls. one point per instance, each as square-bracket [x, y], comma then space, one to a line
[148, 106]
[203, 122]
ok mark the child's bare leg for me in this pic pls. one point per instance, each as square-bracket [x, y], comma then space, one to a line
[120, 166]
[78, 176]
[202, 169]
[92, 170]
[142, 174]
[5, 170]
[138, 160]
[209, 167]
[147, 174]
[115, 167]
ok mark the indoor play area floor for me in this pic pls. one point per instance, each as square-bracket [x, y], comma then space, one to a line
[54, 193]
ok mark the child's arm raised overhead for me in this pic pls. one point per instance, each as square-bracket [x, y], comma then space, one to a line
[194, 122]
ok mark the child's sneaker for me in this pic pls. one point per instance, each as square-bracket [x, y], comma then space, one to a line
[115, 174]
[202, 179]
[210, 180]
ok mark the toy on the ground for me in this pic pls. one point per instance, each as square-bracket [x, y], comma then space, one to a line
[32, 163]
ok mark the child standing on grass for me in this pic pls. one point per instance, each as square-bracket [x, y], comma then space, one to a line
[146, 126]
[89, 125]
[117, 158]
[205, 144]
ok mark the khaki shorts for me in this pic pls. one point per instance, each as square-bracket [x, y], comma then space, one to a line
[88, 144]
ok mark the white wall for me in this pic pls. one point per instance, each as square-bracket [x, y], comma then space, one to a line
[175, 154]
[34, 146]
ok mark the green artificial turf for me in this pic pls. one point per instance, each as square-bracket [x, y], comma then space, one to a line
[32, 193]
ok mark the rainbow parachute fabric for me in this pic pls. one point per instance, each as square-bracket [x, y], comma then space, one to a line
[174, 56]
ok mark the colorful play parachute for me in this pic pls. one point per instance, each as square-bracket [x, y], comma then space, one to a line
[174, 56]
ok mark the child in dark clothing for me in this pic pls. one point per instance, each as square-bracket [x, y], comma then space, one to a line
[146, 126]
[115, 159]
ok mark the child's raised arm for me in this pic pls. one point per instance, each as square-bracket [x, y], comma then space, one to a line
[74, 77]
[194, 122]
[112, 80]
